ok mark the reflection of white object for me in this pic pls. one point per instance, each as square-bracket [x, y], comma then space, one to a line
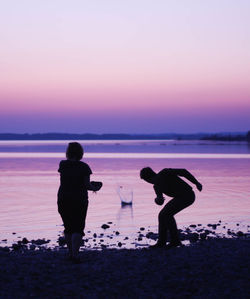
[125, 194]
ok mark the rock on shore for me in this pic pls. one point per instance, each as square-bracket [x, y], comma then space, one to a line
[214, 268]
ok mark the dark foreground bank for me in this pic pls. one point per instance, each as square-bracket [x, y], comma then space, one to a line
[215, 268]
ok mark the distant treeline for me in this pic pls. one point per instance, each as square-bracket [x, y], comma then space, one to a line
[88, 136]
[228, 137]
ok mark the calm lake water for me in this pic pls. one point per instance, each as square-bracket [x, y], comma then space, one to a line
[29, 181]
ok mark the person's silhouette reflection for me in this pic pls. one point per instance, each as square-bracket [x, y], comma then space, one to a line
[168, 182]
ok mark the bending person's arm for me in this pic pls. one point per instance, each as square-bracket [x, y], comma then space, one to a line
[159, 200]
[158, 192]
[186, 174]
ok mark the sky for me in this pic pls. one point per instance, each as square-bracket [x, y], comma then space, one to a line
[134, 66]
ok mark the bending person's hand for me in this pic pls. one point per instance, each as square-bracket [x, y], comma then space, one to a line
[199, 186]
[159, 200]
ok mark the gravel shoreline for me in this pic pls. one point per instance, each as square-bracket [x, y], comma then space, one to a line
[213, 268]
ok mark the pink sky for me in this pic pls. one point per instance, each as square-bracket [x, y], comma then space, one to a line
[129, 66]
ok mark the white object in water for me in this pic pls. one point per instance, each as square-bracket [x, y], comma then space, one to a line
[125, 194]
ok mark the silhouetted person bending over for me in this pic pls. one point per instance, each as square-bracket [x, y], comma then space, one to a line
[168, 182]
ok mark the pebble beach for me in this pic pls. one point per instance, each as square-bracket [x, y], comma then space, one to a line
[208, 267]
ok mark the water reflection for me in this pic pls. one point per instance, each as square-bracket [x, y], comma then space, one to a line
[111, 155]
[226, 195]
[125, 213]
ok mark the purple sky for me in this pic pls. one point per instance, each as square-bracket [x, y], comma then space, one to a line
[124, 66]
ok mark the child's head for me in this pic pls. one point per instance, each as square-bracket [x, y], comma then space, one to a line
[147, 174]
[74, 151]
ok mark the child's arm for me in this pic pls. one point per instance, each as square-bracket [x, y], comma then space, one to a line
[88, 184]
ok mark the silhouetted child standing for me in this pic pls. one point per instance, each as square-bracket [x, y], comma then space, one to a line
[73, 196]
[168, 182]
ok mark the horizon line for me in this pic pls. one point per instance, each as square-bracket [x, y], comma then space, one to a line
[133, 134]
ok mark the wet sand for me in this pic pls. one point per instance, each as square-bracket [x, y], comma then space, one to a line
[210, 268]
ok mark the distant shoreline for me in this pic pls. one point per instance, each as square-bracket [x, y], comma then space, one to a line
[241, 136]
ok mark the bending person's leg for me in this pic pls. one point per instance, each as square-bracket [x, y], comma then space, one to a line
[167, 221]
[173, 207]
[162, 228]
[173, 231]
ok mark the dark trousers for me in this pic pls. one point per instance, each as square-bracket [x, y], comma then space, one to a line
[166, 219]
[73, 216]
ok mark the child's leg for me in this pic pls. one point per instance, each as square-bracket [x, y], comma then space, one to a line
[68, 239]
[76, 243]
[79, 225]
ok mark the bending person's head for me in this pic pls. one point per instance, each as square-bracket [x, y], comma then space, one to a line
[74, 151]
[147, 174]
